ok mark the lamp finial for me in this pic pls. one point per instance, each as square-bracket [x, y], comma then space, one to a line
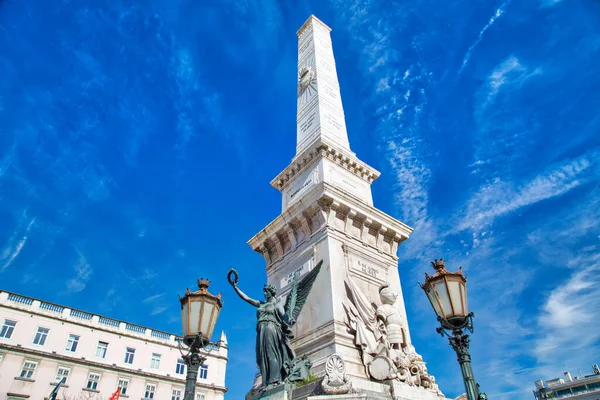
[203, 285]
[438, 265]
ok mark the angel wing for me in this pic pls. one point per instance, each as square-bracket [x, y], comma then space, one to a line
[297, 296]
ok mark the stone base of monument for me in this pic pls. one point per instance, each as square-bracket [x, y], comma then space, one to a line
[355, 396]
[361, 389]
[402, 391]
[281, 392]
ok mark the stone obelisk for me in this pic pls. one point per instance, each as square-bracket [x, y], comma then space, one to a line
[328, 213]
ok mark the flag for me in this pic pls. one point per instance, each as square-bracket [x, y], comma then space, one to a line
[116, 394]
[55, 390]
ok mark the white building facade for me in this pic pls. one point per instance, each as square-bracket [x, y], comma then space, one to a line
[583, 387]
[41, 342]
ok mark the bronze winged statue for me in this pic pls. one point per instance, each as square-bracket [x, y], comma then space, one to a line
[274, 354]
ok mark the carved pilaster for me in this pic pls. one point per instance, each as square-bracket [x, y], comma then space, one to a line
[331, 216]
[365, 229]
[395, 244]
[305, 224]
[265, 253]
[289, 230]
[379, 238]
[350, 217]
[278, 246]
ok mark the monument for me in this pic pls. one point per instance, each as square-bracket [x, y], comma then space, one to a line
[353, 327]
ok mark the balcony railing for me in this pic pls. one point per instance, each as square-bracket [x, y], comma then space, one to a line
[80, 314]
[135, 328]
[160, 335]
[20, 299]
[109, 322]
[51, 307]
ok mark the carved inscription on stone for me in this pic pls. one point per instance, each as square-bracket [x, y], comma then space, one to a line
[307, 128]
[307, 180]
[308, 122]
[303, 269]
[345, 180]
[367, 269]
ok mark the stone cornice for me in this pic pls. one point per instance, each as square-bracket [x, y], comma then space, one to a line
[315, 153]
[325, 206]
[115, 368]
[306, 24]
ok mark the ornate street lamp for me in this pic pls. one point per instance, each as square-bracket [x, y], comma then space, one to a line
[447, 292]
[199, 313]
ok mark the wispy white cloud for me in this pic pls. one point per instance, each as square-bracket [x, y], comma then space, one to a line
[153, 298]
[15, 245]
[158, 310]
[500, 197]
[487, 26]
[510, 73]
[573, 303]
[83, 273]
[399, 100]
[501, 273]
[156, 302]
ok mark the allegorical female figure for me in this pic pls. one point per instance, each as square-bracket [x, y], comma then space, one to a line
[274, 354]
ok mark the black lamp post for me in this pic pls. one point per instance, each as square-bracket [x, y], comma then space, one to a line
[447, 292]
[199, 313]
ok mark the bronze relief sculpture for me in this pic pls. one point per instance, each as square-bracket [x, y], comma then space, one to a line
[275, 356]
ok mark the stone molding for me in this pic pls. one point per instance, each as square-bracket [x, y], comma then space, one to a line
[309, 22]
[329, 209]
[318, 151]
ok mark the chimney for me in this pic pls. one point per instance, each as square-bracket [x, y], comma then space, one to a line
[568, 377]
[539, 384]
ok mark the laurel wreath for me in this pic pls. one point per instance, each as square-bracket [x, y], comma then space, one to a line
[232, 272]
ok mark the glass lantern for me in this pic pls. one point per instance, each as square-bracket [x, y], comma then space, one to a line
[199, 313]
[447, 293]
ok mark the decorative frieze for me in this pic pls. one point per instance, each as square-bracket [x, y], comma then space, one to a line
[312, 155]
[286, 234]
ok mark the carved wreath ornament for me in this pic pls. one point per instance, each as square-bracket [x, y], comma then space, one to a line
[305, 77]
[335, 380]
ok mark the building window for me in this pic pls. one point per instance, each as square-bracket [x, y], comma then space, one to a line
[72, 343]
[180, 367]
[101, 349]
[28, 369]
[150, 389]
[40, 336]
[62, 373]
[129, 353]
[155, 361]
[200, 396]
[203, 372]
[7, 329]
[93, 380]
[123, 384]
[176, 394]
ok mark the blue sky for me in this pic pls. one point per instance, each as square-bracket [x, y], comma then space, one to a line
[137, 143]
